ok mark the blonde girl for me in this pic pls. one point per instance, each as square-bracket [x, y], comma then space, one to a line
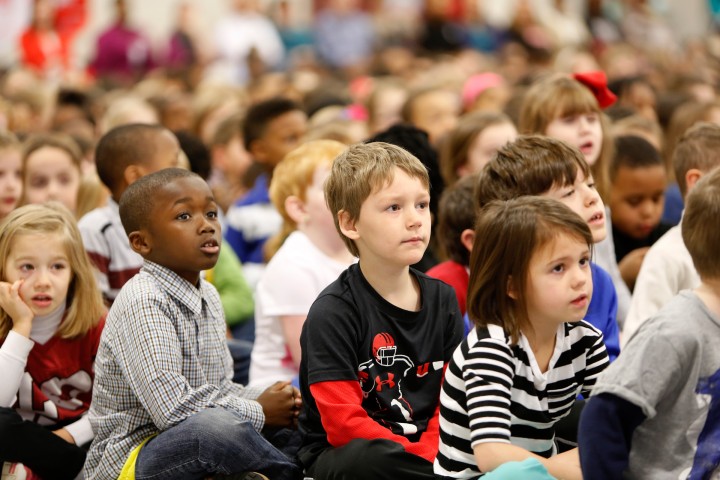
[51, 317]
[306, 256]
[530, 354]
[52, 170]
[473, 142]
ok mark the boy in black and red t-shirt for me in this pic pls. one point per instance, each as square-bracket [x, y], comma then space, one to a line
[376, 341]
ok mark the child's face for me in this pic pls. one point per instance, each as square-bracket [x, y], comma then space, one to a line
[637, 199]
[41, 261]
[184, 232]
[50, 174]
[237, 159]
[486, 145]
[393, 228]
[559, 282]
[317, 214]
[583, 198]
[10, 180]
[437, 113]
[581, 131]
[282, 135]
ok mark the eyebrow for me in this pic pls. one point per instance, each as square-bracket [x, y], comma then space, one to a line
[566, 258]
[209, 198]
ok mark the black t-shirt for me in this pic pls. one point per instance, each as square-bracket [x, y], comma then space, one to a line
[352, 333]
[625, 244]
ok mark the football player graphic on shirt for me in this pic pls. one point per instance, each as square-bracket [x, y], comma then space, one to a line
[381, 379]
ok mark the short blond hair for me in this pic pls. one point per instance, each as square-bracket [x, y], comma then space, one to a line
[292, 177]
[362, 169]
[84, 301]
[699, 225]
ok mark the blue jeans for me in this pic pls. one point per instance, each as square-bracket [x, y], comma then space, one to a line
[214, 441]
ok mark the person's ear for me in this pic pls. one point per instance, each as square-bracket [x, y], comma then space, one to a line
[348, 225]
[467, 238]
[133, 173]
[295, 209]
[511, 290]
[691, 178]
[140, 242]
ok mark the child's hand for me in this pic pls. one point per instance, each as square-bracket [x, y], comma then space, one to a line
[281, 404]
[13, 304]
[630, 265]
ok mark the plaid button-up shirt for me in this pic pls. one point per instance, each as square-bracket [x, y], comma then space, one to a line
[162, 358]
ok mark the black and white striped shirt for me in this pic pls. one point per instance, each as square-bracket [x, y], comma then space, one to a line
[495, 392]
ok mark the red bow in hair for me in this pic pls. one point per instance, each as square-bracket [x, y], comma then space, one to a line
[597, 83]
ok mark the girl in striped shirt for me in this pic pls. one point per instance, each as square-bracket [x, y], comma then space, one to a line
[530, 354]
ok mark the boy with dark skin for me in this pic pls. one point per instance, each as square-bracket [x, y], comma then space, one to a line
[166, 406]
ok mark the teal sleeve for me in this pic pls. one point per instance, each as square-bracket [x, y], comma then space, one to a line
[235, 293]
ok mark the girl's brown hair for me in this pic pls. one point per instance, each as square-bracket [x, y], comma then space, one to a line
[84, 301]
[559, 96]
[507, 235]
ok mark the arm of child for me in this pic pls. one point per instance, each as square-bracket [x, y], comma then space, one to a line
[605, 434]
[343, 417]
[78, 433]
[292, 328]
[630, 265]
[17, 345]
[491, 455]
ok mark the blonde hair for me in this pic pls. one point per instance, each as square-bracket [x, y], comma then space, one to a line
[362, 169]
[558, 96]
[292, 177]
[84, 301]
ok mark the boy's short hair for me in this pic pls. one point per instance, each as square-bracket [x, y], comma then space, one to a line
[632, 151]
[362, 169]
[507, 234]
[457, 214]
[131, 144]
[531, 165]
[700, 230]
[698, 147]
[260, 115]
[137, 201]
[227, 130]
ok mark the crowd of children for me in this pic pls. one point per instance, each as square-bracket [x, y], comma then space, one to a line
[424, 266]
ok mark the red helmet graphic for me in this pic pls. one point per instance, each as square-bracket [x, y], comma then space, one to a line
[384, 349]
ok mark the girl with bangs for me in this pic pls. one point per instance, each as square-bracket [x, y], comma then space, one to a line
[51, 318]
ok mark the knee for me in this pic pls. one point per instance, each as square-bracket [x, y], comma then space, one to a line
[221, 427]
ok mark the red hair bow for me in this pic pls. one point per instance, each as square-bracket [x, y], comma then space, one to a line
[597, 83]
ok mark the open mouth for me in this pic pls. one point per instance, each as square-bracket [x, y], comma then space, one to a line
[580, 301]
[42, 300]
[586, 147]
[597, 218]
[211, 246]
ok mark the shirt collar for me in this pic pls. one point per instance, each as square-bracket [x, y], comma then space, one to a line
[177, 287]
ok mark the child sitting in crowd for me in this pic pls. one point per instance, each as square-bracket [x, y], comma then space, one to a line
[164, 405]
[530, 354]
[653, 413]
[456, 229]
[637, 198]
[272, 128]
[50, 324]
[537, 165]
[667, 267]
[305, 257]
[10, 173]
[375, 342]
[123, 155]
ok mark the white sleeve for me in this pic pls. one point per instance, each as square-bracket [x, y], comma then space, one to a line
[81, 431]
[13, 358]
